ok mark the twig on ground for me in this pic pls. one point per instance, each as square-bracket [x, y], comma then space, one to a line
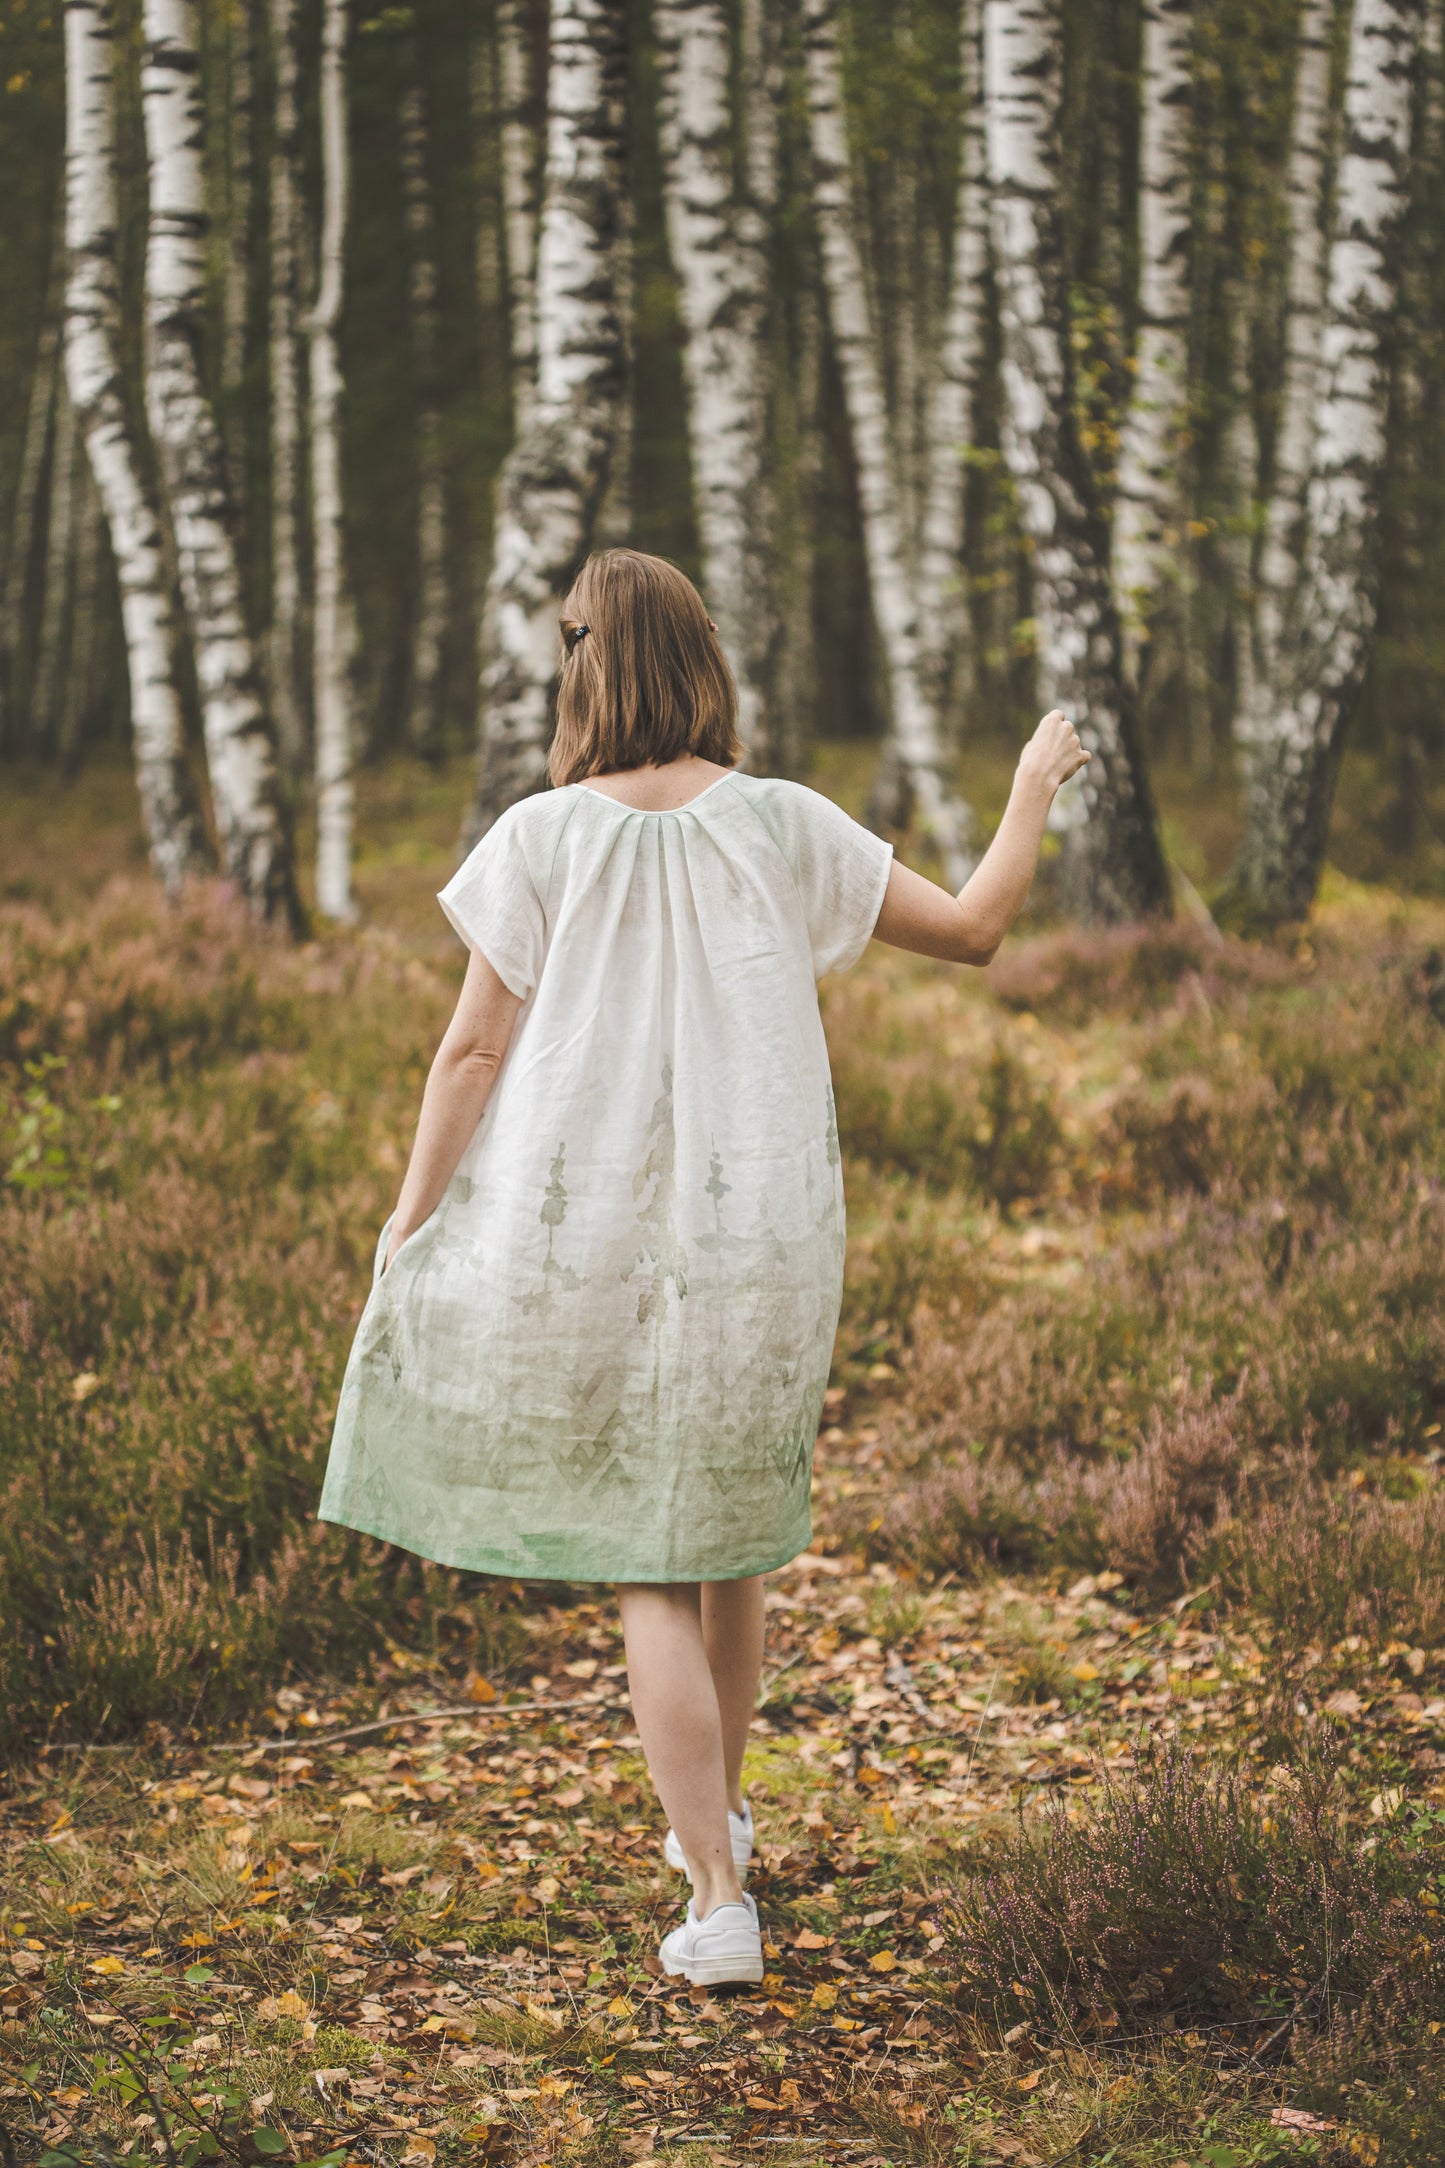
[352, 1731]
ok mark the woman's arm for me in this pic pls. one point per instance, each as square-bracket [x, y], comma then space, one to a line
[966, 929]
[457, 1089]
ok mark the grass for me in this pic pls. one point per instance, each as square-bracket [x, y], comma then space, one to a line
[1128, 1495]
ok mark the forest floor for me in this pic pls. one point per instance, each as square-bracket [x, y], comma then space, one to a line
[303, 1858]
[432, 1938]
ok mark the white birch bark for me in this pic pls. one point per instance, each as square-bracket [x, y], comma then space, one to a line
[1294, 760]
[93, 366]
[519, 203]
[955, 385]
[1281, 542]
[721, 274]
[1114, 866]
[430, 623]
[330, 617]
[235, 293]
[553, 480]
[55, 592]
[1148, 496]
[285, 365]
[914, 733]
[255, 842]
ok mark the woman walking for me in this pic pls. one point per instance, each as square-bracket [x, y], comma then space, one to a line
[602, 1314]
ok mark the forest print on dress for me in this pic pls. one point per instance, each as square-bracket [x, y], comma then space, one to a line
[604, 1355]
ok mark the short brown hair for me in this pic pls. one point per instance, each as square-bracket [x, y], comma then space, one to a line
[647, 680]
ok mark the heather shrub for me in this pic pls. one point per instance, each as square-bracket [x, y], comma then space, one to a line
[178, 1301]
[1322, 1563]
[1186, 1893]
[1112, 1422]
[1076, 973]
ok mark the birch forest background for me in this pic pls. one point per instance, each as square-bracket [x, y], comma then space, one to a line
[975, 356]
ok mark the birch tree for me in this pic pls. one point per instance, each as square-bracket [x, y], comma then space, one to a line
[93, 367]
[330, 618]
[553, 479]
[1281, 544]
[1148, 498]
[430, 624]
[955, 386]
[914, 732]
[519, 202]
[718, 259]
[285, 414]
[254, 837]
[235, 293]
[1294, 759]
[1114, 866]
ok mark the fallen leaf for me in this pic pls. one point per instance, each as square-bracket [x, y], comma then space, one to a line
[883, 1961]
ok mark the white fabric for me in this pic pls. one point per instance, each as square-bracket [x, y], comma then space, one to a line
[604, 1355]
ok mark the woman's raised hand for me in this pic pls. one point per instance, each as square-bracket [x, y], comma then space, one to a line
[1053, 753]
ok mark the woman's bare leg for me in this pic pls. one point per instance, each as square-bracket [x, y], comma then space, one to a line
[681, 1728]
[732, 1631]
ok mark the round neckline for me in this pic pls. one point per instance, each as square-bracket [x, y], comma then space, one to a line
[657, 812]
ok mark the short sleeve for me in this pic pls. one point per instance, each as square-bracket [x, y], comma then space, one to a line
[842, 871]
[492, 902]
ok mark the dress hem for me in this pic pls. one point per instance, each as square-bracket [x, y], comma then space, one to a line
[487, 1564]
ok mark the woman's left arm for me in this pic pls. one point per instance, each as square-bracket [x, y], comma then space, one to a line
[457, 1089]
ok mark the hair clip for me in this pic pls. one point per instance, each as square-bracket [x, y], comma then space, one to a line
[573, 634]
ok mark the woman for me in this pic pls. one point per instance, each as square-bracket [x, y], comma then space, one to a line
[602, 1314]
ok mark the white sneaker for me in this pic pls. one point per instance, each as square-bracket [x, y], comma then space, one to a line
[740, 1829]
[727, 1945]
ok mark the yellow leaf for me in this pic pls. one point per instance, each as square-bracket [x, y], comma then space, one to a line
[825, 1996]
[805, 1939]
[479, 1688]
[291, 2005]
[1028, 2081]
[883, 1961]
[548, 2086]
[619, 2007]
[106, 1965]
[1084, 1672]
[355, 1799]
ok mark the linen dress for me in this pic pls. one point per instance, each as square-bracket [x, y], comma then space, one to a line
[603, 1356]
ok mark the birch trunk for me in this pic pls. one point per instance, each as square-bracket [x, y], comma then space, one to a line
[255, 842]
[18, 561]
[717, 256]
[1281, 544]
[240, 107]
[55, 593]
[285, 359]
[1148, 500]
[519, 203]
[430, 625]
[553, 480]
[951, 409]
[93, 365]
[331, 622]
[914, 730]
[1295, 759]
[1113, 865]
